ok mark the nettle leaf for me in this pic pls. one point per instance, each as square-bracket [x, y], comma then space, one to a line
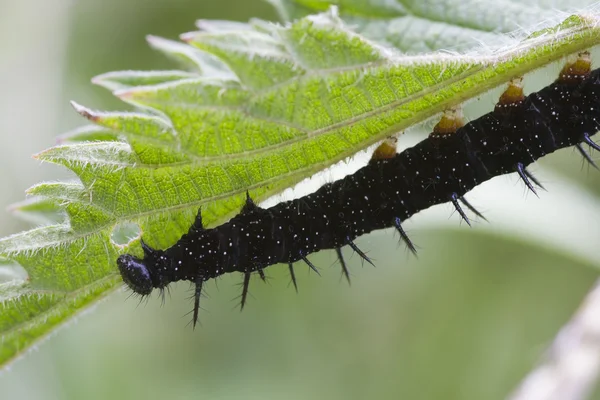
[420, 26]
[257, 107]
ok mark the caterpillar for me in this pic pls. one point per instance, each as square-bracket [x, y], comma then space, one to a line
[451, 161]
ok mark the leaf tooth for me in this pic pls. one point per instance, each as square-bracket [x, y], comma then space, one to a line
[151, 137]
[138, 124]
[68, 190]
[117, 80]
[259, 60]
[188, 37]
[88, 133]
[215, 25]
[192, 58]
[12, 290]
[27, 242]
[85, 112]
[97, 153]
[188, 94]
[343, 47]
[39, 210]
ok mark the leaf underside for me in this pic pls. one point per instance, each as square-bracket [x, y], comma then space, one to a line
[256, 106]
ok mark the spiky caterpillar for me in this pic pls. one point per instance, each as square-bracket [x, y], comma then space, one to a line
[449, 163]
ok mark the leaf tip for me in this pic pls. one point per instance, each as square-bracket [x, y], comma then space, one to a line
[37, 156]
[13, 207]
[85, 112]
[188, 36]
[124, 94]
[153, 40]
[99, 79]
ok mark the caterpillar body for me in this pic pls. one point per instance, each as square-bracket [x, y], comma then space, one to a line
[390, 189]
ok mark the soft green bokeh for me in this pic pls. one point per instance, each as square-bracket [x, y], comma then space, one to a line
[465, 321]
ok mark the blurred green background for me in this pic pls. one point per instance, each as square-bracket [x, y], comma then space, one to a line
[466, 320]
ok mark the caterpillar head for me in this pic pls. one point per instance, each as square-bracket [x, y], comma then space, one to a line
[142, 275]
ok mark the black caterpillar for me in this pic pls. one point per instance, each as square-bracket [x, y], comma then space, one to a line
[441, 168]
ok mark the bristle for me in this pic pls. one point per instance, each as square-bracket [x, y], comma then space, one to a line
[197, 226]
[306, 260]
[148, 251]
[343, 264]
[586, 155]
[261, 273]
[454, 200]
[197, 294]
[473, 209]
[525, 176]
[293, 276]
[533, 179]
[587, 139]
[245, 285]
[404, 236]
[359, 251]
[249, 205]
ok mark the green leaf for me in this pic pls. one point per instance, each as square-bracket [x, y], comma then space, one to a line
[420, 26]
[28, 314]
[260, 107]
[125, 79]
